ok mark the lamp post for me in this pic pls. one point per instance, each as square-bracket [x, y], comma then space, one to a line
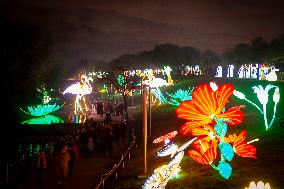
[145, 126]
[150, 111]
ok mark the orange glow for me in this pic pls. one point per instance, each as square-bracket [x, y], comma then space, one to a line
[207, 105]
[165, 137]
[240, 145]
[207, 152]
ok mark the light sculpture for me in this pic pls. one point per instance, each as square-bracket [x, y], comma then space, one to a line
[208, 120]
[159, 95]
[169, 149]
[120, 80]
[179, 96]
[230, 71]
[272, 76]
[175, 99]
[263, 97]
[165, 138]
[41, 110]
[259, 185]
[80, 89]
[193, 70]
[168, 70]
[219, 71]
[161, 175]
[155, 82]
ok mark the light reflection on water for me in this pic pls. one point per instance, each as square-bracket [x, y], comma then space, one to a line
[31, 150]
[51, 119]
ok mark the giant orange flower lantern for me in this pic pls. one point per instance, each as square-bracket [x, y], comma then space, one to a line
[207, 118]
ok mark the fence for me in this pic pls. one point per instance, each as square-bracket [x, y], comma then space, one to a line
[105, 176]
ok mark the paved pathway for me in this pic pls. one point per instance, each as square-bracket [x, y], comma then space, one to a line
[86, 175]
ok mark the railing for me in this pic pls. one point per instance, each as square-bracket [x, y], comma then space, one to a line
[105, 176]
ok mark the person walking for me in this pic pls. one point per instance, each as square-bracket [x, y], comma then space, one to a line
[73, 152]
[63, 158]
[41, 166]
[90, 146]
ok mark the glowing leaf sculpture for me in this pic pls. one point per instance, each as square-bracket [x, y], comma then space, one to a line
[263, 97]
[226, 150]
[225, 169]
[41, 110]
[179, 96]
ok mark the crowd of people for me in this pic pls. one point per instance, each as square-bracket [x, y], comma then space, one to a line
[100, 137]
[108, 106]
[93, 138]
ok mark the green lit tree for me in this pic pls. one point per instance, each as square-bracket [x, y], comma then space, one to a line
[123, 83]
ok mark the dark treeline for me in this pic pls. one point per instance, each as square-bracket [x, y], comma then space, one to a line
[257, 51]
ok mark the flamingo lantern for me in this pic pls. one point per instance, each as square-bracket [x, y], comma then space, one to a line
[80, 89]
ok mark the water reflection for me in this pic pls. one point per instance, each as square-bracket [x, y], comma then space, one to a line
[31, 150]
[47, 119]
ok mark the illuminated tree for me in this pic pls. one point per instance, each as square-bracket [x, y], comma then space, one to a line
[123, 83]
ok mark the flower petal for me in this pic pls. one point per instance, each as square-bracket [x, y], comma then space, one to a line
[186, 110]
[204, 99]
[233, 116]
[210, 155]
[245, 150]
[223, 93]
[199, 131]
[188, 126]
[197, 156]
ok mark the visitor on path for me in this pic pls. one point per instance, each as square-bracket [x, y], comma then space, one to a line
[73, 152]
[109, 140]
[62, 158]
[41, 167]
[90, 146]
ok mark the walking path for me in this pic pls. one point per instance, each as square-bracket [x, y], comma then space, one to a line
[86, 174]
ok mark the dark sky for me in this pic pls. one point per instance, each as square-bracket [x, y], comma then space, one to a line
[105, 29]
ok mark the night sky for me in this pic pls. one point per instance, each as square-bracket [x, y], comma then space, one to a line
[105, 29]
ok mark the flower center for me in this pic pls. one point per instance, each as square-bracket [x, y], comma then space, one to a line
[211, 135]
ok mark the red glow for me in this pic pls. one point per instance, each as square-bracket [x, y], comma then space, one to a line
[165, 137]
[207, 152]
[240, 145]
[205, 105]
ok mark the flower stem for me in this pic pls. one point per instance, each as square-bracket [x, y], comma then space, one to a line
[253, 105]
[273, 118]
[265, 117]
[214, 166]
